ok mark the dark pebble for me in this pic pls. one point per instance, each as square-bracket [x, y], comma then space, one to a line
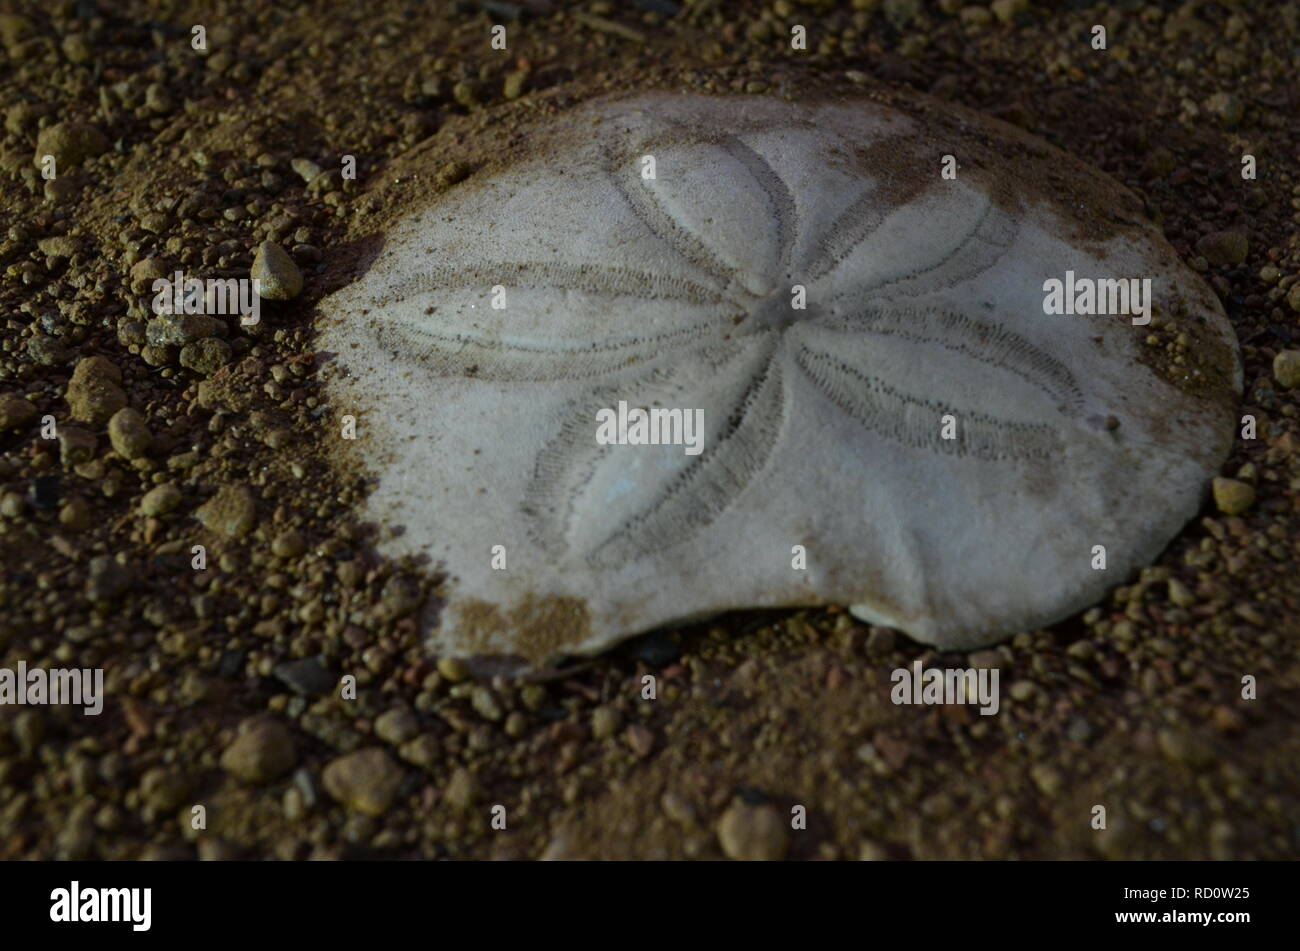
[656, 650]
[503, 11]
[552, 714]
[665, 8]
[45, 493]
[231, 663]
[107, 579]
[307, 677]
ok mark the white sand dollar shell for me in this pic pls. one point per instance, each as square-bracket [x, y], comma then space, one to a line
[822, 426]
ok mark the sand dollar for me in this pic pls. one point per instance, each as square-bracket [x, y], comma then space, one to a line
[887, 417]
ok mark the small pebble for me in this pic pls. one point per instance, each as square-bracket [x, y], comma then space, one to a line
[75, 515]
[164, 789]
[423, 751]
[397, 726]
[1286, 367]
[640, 739]
[485, 704]
[107, 578]
[1180, 594]
[1232, 496]
[71, 143]
[205, 357]
[605, 722]
[513, 87]
[305, 169]
[45, 492]
[94, 392]
[232, 512]
[76, 445]
[279, 277]
[262, 751]
[753, 833]
[1224, 248]
[453, 172]
[160, 500]
[306, 677]
[129, 433]
[462, 790]
[366, 781]
[453, 668]
[288, 544]
[15, 412]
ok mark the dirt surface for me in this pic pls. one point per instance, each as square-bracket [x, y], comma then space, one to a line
[224, 670]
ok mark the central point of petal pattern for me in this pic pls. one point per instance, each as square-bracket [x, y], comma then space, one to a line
[775, 313]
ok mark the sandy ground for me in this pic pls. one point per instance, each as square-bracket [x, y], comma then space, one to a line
[223, 681]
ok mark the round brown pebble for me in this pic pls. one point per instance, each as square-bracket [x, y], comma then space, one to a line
[366, 781]
[262, 751]
[1224, 248]
[753, 833]
[129, 433]
[15, 412]
[1286, 368]
[160, 500]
